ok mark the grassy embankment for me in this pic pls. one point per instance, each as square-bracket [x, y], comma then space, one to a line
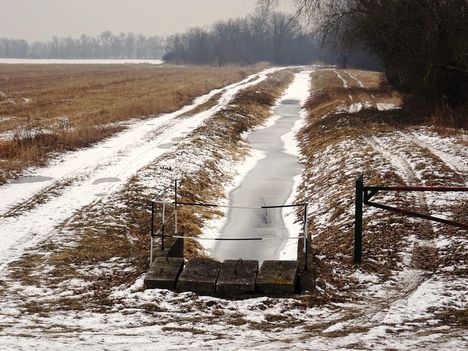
[338, 146]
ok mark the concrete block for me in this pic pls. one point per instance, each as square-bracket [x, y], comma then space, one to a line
[237, 277]
[277, 278]
[199, 276]
[163, 273]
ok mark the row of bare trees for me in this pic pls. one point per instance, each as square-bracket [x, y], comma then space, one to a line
[422, 43]
[105, 45]
[262, 36]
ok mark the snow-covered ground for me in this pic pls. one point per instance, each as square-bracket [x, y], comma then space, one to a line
[78, 61]
[407, 310]
[412, 276]
[92, 174]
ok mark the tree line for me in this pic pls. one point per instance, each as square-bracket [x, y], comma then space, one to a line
[263, 36]
[105, 45]
[423, 45]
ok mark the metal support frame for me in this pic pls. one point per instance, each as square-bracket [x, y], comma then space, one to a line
[365, 193]
[152, 232]
[163, 228]
[162, 231]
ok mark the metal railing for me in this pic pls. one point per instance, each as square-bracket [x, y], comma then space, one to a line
[161, 199]
[364, 194]
[162, 229]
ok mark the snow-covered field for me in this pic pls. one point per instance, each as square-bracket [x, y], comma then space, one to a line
[406, 309]
[94, 173]
[77, 61]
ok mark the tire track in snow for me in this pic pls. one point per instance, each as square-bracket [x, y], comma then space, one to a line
[56, 187]
[403, 168]
[361, 85]
[345, 83]
[120, 157]
[455, 163]
[373, 311]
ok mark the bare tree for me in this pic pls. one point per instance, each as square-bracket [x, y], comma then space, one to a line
[422, 43]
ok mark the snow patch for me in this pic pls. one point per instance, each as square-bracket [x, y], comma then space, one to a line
[386, 107]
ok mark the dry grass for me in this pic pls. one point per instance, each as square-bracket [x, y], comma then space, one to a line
[70, 106]
[383, 243]
[124, 231]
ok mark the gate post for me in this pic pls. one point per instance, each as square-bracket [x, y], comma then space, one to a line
[152, 232]
[163, 227]
[306, 229]
[358, 220]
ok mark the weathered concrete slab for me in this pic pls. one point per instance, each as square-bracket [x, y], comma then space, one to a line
[277, 278]
[163, 273]
[199, 276]
[237, 277]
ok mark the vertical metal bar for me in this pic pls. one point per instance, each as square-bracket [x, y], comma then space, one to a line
[358, 220]
[152, 232]
[163, 229]
[306, 229]
[176, 225]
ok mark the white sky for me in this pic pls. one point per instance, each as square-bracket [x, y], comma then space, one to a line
[41, 19]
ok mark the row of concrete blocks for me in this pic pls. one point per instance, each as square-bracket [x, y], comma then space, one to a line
[232, 278]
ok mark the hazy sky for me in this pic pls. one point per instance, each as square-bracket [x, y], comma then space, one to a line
[41, 19]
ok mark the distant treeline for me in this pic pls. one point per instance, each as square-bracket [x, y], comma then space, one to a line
[263, 36]
[106, 45]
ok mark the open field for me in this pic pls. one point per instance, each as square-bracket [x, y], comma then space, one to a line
[54, 108]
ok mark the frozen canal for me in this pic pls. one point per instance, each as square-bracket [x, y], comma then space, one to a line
[270, 183]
